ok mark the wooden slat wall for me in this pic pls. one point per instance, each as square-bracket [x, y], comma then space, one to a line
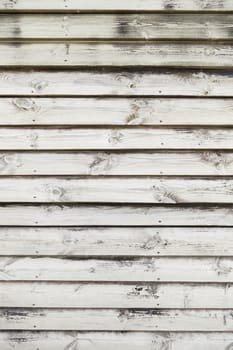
[116, 174]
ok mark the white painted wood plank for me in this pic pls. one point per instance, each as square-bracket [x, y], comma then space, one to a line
[117, 270]
[131, 241]
[117, 54]
[26, 340]
[74, 295]
[117, 111]
[102, 163]
[118, 320]
[120, 5]
[118, 190]
[115, 138]
[122, 83]
[115, 215]
[120, 26]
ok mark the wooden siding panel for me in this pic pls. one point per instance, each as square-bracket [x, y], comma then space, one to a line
[116, 320]
[172, 269]
[116, 111]
[156, 26]
[158, 82]
[115, 138]
[118, 190]
[118, 54]
[120, 5]
[104, 296]
[115, 215]
[208, 163]
[120, 241]
[26, 340]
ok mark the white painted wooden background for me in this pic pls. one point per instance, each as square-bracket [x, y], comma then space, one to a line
[116, 175]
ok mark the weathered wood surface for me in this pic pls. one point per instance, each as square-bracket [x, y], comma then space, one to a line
[183, 163]
[98, 253]
[118, 54]
[110, 241]
[115, 215]
[120, 83]
[117, 190]
[152, 26]
[26, 340]
[116, 320]
[159, 269]
[120, 5]
[76, 295]
[115, 138]
[117, 111]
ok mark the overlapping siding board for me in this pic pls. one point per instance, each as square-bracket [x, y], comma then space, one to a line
[116, 175]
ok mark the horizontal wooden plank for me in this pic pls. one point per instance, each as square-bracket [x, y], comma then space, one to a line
[120, 83]
[117, 54]
[117, 111]
[120, 5]
[101, 163]
[115, 215]
[131, 241]
[116, 320]
[115, 139]
[74, 295]
[156, 26]
[117, 190]
[171, 269]
[26, 340]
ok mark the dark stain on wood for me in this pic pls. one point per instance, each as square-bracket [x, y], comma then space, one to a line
[122, 27]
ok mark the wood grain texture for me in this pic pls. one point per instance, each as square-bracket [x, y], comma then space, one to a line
[117, 111]
[116, 170]
[106, 296]
[183, 163]
[117, 54]
[159, 269]
[121, 83]
[115, 215]
[110, 241]
[27, 340]
[116, 320]
[130, 190]
[156, 26]
[120, 5]
[115, 138]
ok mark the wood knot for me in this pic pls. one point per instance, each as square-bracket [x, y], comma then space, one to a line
[24, 104]
[115, 137]
[229, 347]
[102, 163]
[33, 139]
[8, 162]
[40, 85]
[58, 193]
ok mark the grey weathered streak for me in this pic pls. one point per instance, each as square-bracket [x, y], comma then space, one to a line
[116, 111]
[115, 138]
[158, 82]
[117, 54]
[120, 241]
[120, 5]
[116, 320]
[115, 215]
[27, 340]
[211, 163]
[102, 26]
[108, 190]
